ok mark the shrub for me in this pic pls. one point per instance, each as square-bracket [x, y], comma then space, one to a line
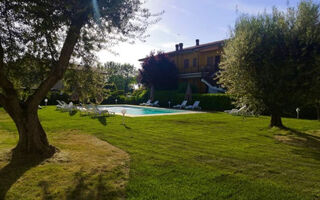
[138, 96]
[214, 102]
[53, 96]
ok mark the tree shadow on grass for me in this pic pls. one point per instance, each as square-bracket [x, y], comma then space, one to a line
[83, 189]
[309, 144]
[10, 173]
[102, 120]
[73, 112]
[127, 127]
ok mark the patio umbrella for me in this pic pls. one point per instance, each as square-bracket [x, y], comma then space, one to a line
[152, 93]
[188, 93]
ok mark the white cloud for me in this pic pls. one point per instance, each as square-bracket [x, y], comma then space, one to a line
[240, 7]
[126, 53]
[180, 9]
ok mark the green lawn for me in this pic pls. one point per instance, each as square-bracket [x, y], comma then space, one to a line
[200, 156]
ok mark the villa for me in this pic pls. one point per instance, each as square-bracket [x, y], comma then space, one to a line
[198, 64]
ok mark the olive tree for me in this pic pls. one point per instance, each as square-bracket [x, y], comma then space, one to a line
[43, 37]
[84, 84]
[271, 62]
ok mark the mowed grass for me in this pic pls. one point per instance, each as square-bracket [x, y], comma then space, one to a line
[199, 156]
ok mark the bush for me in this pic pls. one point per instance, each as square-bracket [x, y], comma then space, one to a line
[214, 102]
[138, 96]
[115, 95]
[53, 96]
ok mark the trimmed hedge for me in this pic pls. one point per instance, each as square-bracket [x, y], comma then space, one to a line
[214, 102]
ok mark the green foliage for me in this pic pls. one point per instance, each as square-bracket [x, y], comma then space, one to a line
[271, 61]
[54, 96]
[159, 71]
[84, 84]
[38, 38]
[214, 102]
[122, 75]
[26, 81]
[182, 87]
[138, 96]
[113, 96]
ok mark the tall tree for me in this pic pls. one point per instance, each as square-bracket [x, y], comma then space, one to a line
[159, 71]
[84, 84]
[122, 75]
[272, 60]
[50, 34]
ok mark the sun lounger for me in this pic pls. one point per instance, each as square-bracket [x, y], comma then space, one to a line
[182, 105]
[156, 104]
[146, 103]
[194, 106]
[237, 111]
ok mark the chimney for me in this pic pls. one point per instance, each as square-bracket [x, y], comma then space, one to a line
[177, 47]
[197, 42]
[181, 46]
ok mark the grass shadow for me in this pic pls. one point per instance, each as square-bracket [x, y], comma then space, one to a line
[309, 144]
[45, 190]
[10, 173]
[73, 112]
[127, 127]
[102, 120]
[82, 188]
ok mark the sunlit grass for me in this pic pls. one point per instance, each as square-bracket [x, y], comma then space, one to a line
[204, 156]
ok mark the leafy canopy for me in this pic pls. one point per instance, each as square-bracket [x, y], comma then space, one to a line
[50, 33]
[85, 84]
[123, 76]
[159, 71]
[272, 61]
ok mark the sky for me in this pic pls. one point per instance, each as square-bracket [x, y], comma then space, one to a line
[184, 21]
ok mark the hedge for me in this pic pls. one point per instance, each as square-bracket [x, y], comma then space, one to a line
[214, 102]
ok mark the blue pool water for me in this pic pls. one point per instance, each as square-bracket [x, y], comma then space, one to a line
[137, 110]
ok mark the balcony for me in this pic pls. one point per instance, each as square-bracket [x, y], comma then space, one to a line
[197, 73]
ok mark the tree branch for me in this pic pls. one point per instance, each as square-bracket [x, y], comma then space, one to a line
[58, 70]
[5, 84]
[2, 99]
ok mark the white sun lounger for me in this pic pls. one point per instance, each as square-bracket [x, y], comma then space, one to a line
[194, 106]
[156, 103]
[146, 103]
[182, 105]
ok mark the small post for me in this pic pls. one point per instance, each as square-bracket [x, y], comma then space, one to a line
[45, 101]
[169, 102]
[116, 101]
[123, 111]
[298, 110]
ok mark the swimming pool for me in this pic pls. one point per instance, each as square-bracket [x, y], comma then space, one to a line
[135, 111]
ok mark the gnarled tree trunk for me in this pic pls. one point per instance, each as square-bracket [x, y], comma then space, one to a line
[276, 120]
[32, 138]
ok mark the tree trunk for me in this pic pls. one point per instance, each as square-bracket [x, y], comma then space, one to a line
[276, 120]
[32, 138]
[318, 112]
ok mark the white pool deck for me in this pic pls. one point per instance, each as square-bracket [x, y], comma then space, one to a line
[152, 115]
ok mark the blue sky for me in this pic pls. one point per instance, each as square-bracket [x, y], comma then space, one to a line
[187, 20]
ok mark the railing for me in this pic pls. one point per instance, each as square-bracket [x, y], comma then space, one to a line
[204, 70]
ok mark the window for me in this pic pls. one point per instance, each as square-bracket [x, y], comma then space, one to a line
[210, 61]
[186, 63]
[194, 62]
